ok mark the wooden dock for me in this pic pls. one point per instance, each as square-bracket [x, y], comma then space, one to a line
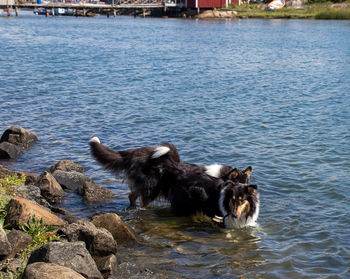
[84, 8]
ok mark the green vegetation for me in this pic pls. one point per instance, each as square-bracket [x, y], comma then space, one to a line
[40, 233]
[313, 10]
[7, 191]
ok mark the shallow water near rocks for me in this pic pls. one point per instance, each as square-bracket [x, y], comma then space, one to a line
[272, 94]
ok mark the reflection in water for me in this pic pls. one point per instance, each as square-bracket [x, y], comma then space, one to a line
[182, 244]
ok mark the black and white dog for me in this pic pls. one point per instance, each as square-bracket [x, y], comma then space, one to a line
[158, 171]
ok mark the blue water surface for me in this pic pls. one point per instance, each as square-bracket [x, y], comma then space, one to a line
[273, 94]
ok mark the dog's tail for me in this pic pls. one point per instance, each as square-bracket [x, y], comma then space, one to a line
[106, 156]
[165, 152]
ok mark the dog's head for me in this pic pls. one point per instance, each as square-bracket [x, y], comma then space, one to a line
[229, 173]
[236, 175]
[239, 204]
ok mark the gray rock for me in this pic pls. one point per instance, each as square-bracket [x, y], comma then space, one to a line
[32, 193]
[99, 241]
[93, 192]
[71, 180]
[73, 255]
[19, 136]
[42, 270]
[5, 245]
[19, 240]
[67, 165]
[9, 151]
[50, 188]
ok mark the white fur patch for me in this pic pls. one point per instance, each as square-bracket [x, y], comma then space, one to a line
[95, 139]
[213, 170]
[160, 151]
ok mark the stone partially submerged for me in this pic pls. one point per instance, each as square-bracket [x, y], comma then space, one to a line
[19, 136]
[50, 188]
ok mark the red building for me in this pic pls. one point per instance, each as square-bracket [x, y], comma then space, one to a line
[209, 3]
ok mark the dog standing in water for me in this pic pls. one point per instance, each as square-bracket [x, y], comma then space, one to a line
[158, 171]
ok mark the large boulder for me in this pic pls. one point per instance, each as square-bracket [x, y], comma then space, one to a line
[112, 222]
[21, 210]
[19, 240]
[9, 151]
[71, 180]
[19, 136]
[73, 255]
[5, 245]
[99, 241]
[92, 192]
[67, 165]
[42, 270]
[50, 188]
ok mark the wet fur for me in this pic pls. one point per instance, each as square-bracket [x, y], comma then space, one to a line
[158, 171]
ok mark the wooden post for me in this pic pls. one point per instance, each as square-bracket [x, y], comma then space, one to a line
[8, 8]
[144, 12]
[84, 12]
[114, 12]
[16, 9]
[52, 11]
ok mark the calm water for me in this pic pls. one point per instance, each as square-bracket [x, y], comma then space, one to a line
[272, 94]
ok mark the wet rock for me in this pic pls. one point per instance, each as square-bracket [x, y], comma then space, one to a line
[21, 210]
[19, 240]
[19, 136]
[9, 151]
[99, 241]
[42, 270]
[71, 180]
[5, 245]
[67, 165]
[72, 255]
[112, 222]
[93, 192]
[107, 265]
[50, 188]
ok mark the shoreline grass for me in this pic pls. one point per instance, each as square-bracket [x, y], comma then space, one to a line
[326, 10]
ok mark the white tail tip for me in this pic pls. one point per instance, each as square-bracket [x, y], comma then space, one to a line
[160, 151]
[95, 139]
[213, 170]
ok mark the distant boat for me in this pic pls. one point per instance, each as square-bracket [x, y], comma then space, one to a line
[44, 11]
[276, 5]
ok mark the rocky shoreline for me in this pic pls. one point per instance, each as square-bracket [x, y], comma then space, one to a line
[76, 247]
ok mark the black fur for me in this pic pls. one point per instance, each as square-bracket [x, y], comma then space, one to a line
[188, 187]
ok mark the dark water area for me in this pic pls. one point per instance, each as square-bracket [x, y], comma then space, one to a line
[273, 94]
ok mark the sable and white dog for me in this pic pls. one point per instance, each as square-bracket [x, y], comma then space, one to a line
[158, 171]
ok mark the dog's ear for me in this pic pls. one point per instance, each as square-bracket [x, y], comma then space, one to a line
[251, 188]
[248, 171]
[228, 204]
[233, 174]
